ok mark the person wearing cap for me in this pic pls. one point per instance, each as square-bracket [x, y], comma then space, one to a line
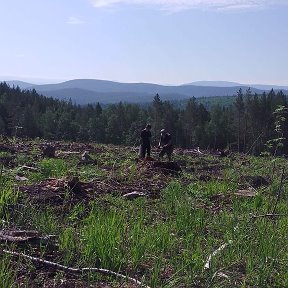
[165, 144]
[145, 142]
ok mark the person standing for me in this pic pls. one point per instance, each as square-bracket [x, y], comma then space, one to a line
[145, 142]
[165, 144]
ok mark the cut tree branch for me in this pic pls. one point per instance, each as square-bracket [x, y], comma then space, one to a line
[269, 215]
[75, 270]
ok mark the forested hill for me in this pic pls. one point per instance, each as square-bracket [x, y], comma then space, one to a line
[246, 125]
[84, 91]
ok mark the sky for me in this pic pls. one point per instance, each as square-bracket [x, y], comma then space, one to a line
[154, 41]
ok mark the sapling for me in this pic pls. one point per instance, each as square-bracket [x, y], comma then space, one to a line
[278, 142]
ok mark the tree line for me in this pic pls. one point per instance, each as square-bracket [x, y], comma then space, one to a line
[245, 126]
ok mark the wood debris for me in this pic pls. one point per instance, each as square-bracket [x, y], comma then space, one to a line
[76, 270]
[21, 236]
[214, 253]
[250, 192]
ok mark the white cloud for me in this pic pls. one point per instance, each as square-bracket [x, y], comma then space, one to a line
[177, 5]
[103, 3]
[74, 21]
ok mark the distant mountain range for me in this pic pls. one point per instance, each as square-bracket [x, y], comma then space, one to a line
[233, 84]
[84, 91]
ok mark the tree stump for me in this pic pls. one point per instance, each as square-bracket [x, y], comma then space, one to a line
[172, 166]
[74, 185]
[49, 151]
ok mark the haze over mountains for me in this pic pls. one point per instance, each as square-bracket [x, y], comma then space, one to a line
[84, 91]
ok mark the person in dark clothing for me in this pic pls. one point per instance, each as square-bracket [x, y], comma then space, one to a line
[145, 142]
[165, 143]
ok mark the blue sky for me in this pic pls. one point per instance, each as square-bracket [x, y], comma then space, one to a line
[156, 41]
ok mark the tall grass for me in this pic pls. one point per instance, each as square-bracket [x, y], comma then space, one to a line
[7, 273]
[68, 245]
[8, 197]
[102, 238]
[45, 220]
[53, 168]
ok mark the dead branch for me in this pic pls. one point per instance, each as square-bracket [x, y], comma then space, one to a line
[75, 270]
[21, 236]
[209, 259]
[29, 168]
[269, 215]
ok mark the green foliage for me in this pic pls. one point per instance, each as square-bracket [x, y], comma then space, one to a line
[207, 122]
[278, 142]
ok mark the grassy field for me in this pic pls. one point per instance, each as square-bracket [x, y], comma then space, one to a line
[220, 222]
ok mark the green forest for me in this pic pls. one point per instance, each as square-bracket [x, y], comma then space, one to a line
[245, 125]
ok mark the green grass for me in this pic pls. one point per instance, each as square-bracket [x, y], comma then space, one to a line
[102, 238]
[53, 168]
[8, 197]
[166, 240]
[7, 274]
